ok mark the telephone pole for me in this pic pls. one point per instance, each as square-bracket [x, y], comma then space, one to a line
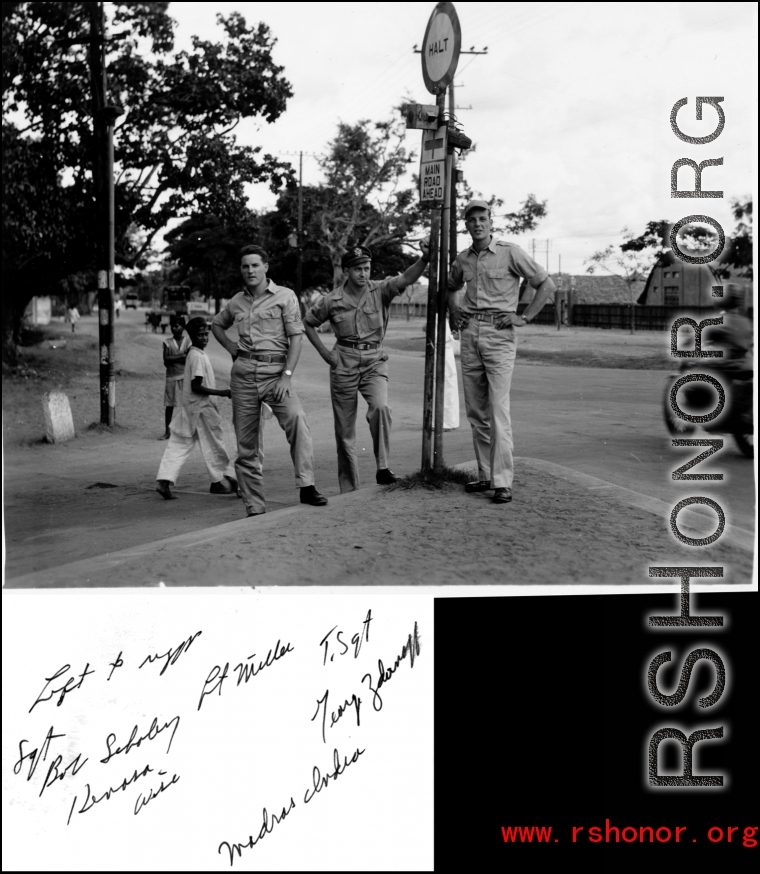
[104, 116]
[299, 226]
[299, 271]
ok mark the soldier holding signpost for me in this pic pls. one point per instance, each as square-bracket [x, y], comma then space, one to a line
[358, 313]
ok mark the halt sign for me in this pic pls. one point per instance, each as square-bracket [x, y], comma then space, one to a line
[433, 166]
[440, 48]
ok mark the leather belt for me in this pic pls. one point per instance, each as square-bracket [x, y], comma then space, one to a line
[487, 317]
[353, 345]
[263, 356]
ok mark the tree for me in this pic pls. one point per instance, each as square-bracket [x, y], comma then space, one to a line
[363, 201]
[206, 249]
[651, 238]
[525, 219]
[174, 146]
[738, 251]
[632, 263]
[276, 229]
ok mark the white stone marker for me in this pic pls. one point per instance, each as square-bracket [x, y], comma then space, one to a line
[59, 424]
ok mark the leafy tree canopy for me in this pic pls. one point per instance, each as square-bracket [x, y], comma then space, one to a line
[363, 201]
[174, 147]
[697, 239]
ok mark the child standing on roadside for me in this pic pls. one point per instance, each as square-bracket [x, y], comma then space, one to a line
[197, 421]
[175, 353]
[72, 315]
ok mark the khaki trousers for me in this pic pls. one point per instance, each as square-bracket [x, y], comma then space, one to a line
[356, 372]
[488, 359]
[252, 383]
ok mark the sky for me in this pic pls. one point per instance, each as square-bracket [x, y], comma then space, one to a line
[571, 102]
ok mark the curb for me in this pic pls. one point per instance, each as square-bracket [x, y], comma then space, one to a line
[98, 565]
[101, 566]
[693, 520]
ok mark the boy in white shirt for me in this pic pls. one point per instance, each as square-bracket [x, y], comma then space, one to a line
[197, 421]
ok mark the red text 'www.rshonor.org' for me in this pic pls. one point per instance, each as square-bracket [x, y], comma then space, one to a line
[611, 834]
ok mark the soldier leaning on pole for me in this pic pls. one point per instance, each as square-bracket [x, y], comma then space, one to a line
[358, 312]
[491, 271]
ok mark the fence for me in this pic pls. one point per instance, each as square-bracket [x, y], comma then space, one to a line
[547, 316]
[592, 315]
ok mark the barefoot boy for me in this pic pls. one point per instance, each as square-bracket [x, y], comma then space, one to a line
[197, 420]
[175, 353]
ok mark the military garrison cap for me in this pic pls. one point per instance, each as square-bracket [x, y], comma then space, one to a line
[354, 256]
[476, 204]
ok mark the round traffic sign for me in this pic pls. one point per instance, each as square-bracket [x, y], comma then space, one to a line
[440, 48]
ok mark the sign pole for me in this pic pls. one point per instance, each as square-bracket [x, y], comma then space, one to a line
[441, 46]
[430, 332]
[443, 288]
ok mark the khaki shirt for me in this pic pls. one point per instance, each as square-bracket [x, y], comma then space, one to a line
[263, 326]
[492, 277]
[361, 319]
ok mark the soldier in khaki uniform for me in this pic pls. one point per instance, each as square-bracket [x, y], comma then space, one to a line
[358, 313]
[491, 271]
[270, 332]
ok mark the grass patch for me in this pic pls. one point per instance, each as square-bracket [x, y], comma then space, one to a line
[571, 358]
[602, 357]
[434, 479]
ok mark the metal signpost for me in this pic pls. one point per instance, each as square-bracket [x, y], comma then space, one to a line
[440, 55]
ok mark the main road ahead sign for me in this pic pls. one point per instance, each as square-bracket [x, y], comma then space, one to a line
[433, 167]
[440, 48]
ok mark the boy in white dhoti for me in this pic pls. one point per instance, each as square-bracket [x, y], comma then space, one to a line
[197, 421]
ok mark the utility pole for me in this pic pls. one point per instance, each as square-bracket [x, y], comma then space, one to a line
[447, 228]
[299, 272]
[104, 116]
[453, 194]
[442, 47]
[431, 364]
[299, 241]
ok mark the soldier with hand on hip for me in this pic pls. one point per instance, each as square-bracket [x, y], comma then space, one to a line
[270, 332]
[358, 312]
[491, 271]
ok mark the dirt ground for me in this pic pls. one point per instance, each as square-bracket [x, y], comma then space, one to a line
[85, 513]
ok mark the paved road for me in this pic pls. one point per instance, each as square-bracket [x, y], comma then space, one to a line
[603, 422]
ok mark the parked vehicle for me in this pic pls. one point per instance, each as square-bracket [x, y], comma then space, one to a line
[176, 299]
[131, 300]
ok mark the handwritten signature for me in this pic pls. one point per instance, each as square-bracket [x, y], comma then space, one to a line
[319, 782]
[357, 640]
[91, 799]
[134, 741]
[246, 672]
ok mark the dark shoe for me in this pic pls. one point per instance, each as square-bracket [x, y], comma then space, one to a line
[309, 495]
[251, 513]
[163, 489]
[502, 496]
[482, 485]
[386, 477]
[220, 488]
